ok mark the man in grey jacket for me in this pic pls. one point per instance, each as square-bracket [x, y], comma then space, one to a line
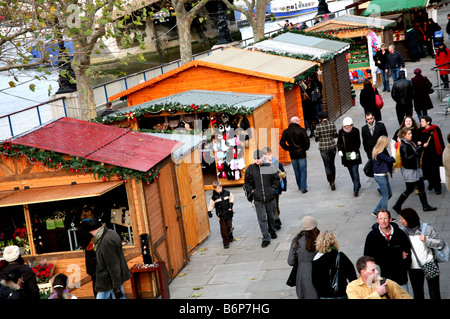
[262, 180]
[112, 269]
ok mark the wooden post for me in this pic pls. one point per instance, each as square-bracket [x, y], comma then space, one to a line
[26, 212]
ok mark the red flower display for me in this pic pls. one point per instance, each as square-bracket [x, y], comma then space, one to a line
[43, 271]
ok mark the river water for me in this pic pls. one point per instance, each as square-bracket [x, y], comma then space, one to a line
[20, 97]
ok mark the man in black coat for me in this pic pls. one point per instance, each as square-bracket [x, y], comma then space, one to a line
[402, 93]
[295, 140]
[262, 180]
[390, 247]
[371, 132]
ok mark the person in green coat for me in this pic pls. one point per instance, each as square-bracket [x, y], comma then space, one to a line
[112, 269]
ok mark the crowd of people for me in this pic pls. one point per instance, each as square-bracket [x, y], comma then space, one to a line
[105, 263]
[391, 254]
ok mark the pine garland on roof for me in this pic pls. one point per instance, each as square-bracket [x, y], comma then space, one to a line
[172, 108]
[56, 162]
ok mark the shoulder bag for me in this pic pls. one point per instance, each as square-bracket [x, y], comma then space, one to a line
[368, 168]
[442, 255]
[335, 281]
[378, 100]
[291, 282]
[430, 269]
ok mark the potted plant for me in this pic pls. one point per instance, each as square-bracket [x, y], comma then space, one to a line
[20, 237]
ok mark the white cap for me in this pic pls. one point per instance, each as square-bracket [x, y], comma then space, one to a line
[347, 121]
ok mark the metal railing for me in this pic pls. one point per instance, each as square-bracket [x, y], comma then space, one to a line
[103, 91]
[31, 117]
[440, 90]
[18, 122]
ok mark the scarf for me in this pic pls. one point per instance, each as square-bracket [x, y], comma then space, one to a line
[371, 127]
[98, 235]
[437, 143]
[346, 130]
[414, 145]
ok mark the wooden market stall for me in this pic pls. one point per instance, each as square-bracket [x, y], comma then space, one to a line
[333, 66]
[190, 186]
[367, 33]
[234, 70]
[405, 13]
[232, 124]
[128, 179]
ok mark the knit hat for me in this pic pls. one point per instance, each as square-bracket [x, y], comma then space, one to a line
[11, 253]
[347, 121]
[417, 71]
[309, 223]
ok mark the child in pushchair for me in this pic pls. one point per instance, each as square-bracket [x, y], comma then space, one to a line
[438, 38]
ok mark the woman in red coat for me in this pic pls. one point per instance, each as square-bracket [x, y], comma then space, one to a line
[442, 58]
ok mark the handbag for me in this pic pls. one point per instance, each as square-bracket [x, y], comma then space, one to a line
[292, 279]
[430, 269]
[378, 101]
[442, 255]
[349, 154]
[335, 282]
[368, 168]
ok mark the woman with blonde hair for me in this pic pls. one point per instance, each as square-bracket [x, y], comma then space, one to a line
[327, 262]
[382, 166]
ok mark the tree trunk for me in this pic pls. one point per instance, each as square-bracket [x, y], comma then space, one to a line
[259, 21]
[184, 38]
[86, 102]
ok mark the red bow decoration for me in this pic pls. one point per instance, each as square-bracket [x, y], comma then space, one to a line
[130, 116]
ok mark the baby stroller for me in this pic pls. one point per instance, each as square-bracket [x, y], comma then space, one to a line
[437, 39]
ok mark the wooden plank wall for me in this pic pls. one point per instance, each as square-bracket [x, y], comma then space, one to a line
[204, 78]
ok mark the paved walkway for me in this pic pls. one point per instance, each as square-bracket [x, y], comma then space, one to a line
[247, 271]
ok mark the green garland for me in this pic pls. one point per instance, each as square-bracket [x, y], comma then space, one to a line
[171, 108]
[308, 73]
[306, 57]
[55, 161]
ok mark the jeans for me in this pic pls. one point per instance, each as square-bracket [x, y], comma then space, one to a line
[421, 113]
[266, 220]
[385, 190]
[385, 80]
[394, 74]
[109, 294]
[354, 174]
[300, 169]
[328, 157]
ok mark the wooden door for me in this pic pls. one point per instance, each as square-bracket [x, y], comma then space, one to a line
[173, 221]
[186, 205]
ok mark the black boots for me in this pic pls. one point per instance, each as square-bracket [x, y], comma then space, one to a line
[330, 179]
[423, 199]
[398, 205]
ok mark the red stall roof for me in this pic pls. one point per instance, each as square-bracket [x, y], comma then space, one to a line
[101, 143]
